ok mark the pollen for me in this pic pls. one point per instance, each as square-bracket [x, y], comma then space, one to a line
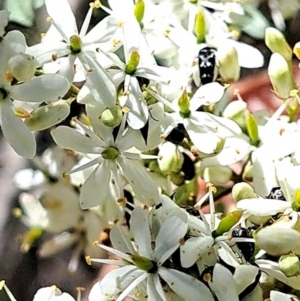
[122, 201]
[49, 19]
[181, 241]
[95, 4]
[54, 57]
[167, 33]
[8, 76]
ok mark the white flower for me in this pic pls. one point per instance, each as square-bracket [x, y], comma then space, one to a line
[52, 293]
[74, 45]
[49, 87]
[204, 129]
[146, 264]
[111, 159]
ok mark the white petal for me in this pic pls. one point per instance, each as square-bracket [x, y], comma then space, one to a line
[244, 276]
[278, 296]
[245, 52]
[97, 294]
[143, 186]
[223, 284]
[263, 207]
[138, 114]
[16, 132]
[139, 225]
[155, 291]
[63, 17]
[131, 37]
[205, 142]
[101, 86]
[69, 138]
[169, 237]
[120, 240]
[235, 150]
[95, 188]
[186, 286]
[45, 52]
[52, 294]
[206, 95]
[101, 32]
[193, 248]
[48, 87]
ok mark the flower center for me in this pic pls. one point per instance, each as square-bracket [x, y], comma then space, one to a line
[110, 153]
[144, 263]
[132, 63]
[75, 44]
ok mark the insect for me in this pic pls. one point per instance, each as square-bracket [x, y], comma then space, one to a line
[207, 64]
[246, 248]
[276, 194]
[177, 134]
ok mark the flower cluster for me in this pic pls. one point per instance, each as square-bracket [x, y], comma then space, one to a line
[149, 84]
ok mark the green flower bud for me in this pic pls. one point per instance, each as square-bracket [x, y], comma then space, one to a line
[278, 241]
[30, 238]
[228, 222]
[170, 159]
[112, 116]
[177, 179]
[217, 175]
[184, 105]
[252, 129]
[228, 63]
[235, 111]
[280, 76]
[200, 28]
[139, 11]
[289, 265]
[143, 263]
[22, 66]
[47, 116]
[154, 167]
[110, 153]
[277, 43]
[248, 172]
[75, 44]
[296, 203]
[241, 191]
[132, 63]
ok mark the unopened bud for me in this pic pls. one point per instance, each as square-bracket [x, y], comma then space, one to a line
[47, 116]
[112, 116]
[139, 11]
[22, 66]
[277, 43]
[132, 63]
[228, 63]
[200, 28]
[184, 105]
[170, 158]
[235, 111]
[217, 175]
[252, 129]
[296, 203]
[278, 241]
[289, 265]
[228, 222]
[280, 76]
[241, 191]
